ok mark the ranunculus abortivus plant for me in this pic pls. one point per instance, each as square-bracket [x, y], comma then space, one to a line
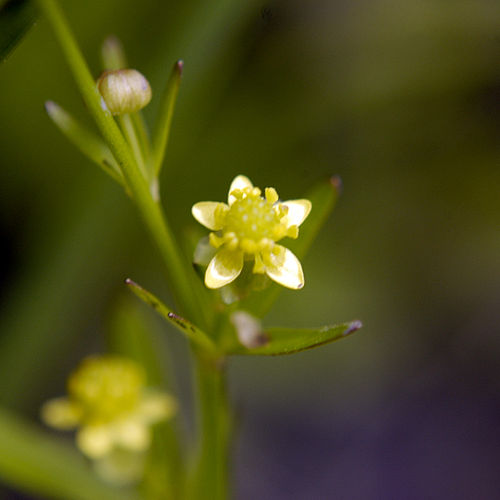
[125, 428]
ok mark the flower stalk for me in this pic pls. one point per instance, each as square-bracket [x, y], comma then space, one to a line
[185, 288]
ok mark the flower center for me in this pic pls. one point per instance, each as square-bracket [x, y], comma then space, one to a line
[106, 388]
[252, 218]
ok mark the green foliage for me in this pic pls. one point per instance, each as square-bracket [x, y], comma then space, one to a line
[16, 18]
[192, 332]
[281, 341]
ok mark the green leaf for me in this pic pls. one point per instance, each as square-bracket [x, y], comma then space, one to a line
[16, 18]
[86, 141]
[323, 198]
[191, 331]
[32, 461]
[162, 128]
[290, 340]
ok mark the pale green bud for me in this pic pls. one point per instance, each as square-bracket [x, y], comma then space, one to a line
[124, 90]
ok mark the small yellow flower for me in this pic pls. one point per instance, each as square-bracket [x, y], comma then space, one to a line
[110, 405]
[247, 228]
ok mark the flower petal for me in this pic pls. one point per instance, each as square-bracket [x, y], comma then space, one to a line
[224, 268]
[285, 268]
[155, 406]
[95, 440]
[239, 182]
[205, 213]
[132, 434]
[61, 413]
[298, 210]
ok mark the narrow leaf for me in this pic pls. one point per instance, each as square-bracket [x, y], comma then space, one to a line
[16, 18]
[86, 141]
[34, 462]
[323, 198]
[191, 331]
[290, 340]
[167, 105]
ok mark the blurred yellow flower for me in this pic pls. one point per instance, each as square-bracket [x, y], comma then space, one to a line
[110, 405]
[247, 228]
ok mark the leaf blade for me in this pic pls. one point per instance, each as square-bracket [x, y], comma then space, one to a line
[283, 341]
[85, 140]
[187, 328]
[166, 113]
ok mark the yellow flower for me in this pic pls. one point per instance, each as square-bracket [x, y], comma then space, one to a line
[110, 405]
[247, 228]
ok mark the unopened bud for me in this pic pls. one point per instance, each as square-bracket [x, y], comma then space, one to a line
[124, 90]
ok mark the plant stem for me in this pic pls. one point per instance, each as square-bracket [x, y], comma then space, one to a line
[214, 428]
[183, 282]
[142, 134]
[129, 130]
[211, 469]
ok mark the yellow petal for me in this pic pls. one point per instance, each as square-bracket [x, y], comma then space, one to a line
[95, 440]
[132, 434]
[298, 210]
[205, 212]
[61, 413]
[285, 268]
[224, 268]
[239, 182]
[155, 406]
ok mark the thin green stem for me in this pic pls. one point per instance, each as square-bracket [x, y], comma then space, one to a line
[142, 134]
[129, 131]
[182, 278]
[214, 424]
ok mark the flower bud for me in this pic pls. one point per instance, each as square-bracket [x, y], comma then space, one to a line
[124, 90]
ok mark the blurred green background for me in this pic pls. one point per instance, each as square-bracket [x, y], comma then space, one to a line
[402, 100]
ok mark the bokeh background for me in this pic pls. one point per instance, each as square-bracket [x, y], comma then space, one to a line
[399, 98]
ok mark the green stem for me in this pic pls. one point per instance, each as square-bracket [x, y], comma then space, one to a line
[129, 130]
[182, 278]
[142, 133]
[212, 466]
[212, 463]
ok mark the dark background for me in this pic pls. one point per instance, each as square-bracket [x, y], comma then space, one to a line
[401, 99]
